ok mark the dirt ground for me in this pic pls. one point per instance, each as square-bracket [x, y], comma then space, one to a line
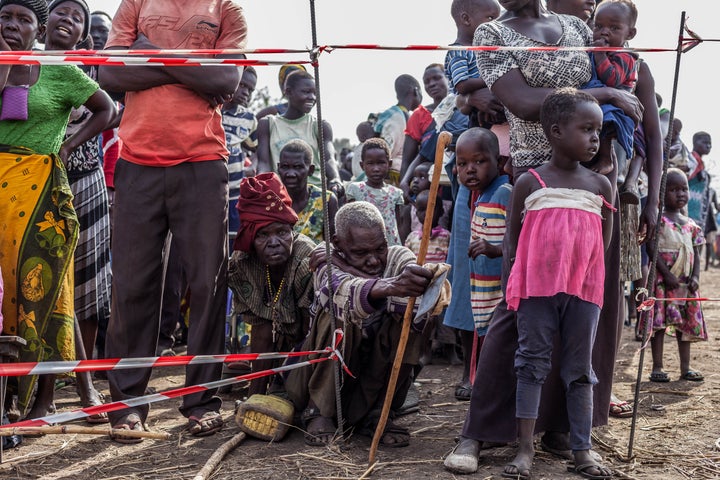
[676, 435]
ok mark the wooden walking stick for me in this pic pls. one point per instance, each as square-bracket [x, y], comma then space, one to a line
[79, 430]
[442, 142]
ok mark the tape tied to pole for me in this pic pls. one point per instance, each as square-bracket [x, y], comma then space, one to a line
[331, 351]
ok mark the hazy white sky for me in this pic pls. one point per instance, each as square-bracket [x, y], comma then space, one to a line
[355, 83]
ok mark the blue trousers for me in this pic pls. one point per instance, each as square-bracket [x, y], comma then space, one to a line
[539, 319]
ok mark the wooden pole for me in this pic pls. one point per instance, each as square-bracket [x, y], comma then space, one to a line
[442, 142]
[76, 429]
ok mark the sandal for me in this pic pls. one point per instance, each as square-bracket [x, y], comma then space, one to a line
[518, 474]
[565, 454]
[693, 376]
[582, 470]
[206, 424]
[660, 377]
[399, 435]
[621, 409]
[96, 418]
[132, 422]
[319, 431]
[463, 392]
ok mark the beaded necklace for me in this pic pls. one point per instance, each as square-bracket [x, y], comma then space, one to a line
[275, 296]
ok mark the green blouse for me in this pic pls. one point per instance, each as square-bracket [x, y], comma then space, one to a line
[59, 89]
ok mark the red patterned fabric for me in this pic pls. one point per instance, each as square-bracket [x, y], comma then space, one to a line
[263, 200]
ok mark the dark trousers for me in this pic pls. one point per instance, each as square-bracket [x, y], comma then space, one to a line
[190, 200]
[539, 320]
[174, 288]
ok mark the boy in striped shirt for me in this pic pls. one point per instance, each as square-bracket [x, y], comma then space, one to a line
[478, 153]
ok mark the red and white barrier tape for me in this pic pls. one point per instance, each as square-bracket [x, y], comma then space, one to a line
[43, 59]
[56, 368]
[489, 48]
[333, 352]
[157, 52]
[649, 302]
[144, 57]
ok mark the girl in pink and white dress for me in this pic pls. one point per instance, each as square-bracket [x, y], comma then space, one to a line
[560, 225]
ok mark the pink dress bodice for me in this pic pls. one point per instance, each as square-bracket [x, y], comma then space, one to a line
[560, 248]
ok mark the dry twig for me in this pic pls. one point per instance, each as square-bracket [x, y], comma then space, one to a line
[368, 471]
[219, 454]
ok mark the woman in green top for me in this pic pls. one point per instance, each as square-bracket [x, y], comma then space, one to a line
[38, 221]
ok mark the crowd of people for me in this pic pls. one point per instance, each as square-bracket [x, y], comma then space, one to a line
[547, 210]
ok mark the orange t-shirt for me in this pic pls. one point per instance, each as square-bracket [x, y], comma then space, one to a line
[170, 124]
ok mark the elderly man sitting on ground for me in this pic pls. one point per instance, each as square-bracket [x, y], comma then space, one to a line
[371, 284]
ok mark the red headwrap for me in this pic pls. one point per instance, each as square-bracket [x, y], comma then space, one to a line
[263, 200]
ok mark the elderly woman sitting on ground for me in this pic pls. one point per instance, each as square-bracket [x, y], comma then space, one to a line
[268, 272]
[371, 284]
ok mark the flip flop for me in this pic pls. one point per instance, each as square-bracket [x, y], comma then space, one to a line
[320, 437]
[97, 418]
[693, 376]
[206, 424]
[463, 392]
[565, 454]
[399, 432]
[659, 377]
[621, 409]
[131, 421]
[390, 429]
[518, 476]
[582, 471]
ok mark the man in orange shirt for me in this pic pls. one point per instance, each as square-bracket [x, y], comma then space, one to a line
[171, 176]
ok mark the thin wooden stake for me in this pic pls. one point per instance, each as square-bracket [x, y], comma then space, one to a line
[443, 140]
